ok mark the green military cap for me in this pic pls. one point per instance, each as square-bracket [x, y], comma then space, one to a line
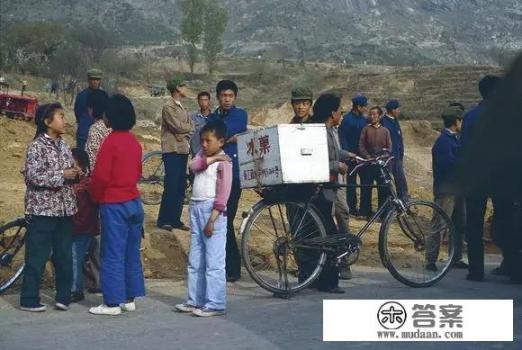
[453, 111]
[299, 94]
[174, 83]
[94, 74]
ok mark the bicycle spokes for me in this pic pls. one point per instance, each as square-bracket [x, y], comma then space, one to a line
[272, 246]
[418, 244]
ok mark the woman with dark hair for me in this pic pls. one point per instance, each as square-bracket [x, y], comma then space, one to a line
[114, 185]
[327, 111]
[49, 203]
[97, 102]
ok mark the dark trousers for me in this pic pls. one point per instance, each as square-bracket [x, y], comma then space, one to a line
[505, 235]
[329, 277]
[370, 175]
[46, 235]
[174, 189]
[93, 264]
[397, 170]
[502, 231]
[351, 190]
[233, 258]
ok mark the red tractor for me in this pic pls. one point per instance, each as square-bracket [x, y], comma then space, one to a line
[21, 107]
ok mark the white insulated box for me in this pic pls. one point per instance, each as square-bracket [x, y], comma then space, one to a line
[283, 154]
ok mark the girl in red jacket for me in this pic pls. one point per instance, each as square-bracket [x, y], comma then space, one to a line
[114, 186]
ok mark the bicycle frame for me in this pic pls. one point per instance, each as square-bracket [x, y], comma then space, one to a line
[392, 200]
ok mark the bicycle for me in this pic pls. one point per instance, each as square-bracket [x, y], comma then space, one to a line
[153, 177]
[12, 257]
[281, 234]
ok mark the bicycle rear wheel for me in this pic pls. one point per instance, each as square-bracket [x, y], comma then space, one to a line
[12, 252]
[274, 248]
[417, 245]
[151, 182]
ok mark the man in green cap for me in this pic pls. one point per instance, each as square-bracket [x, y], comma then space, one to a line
[83, 119]
[302, 104]
[445, 153]
[176, 131]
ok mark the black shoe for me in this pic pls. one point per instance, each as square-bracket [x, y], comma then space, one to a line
[459, 265]
[500, 271]
[282, 295]
[181, 227]
[77, 296]
[475, 278]
[431, 267]
[335, 290]
[233, 279]
[166, 227]
[94, 290]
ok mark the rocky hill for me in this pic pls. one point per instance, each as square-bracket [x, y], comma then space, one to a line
[402, 32]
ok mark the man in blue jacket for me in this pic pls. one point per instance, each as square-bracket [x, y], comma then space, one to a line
[445, 154]
[349, 134]
[236, 120]
[83, 119]
[391, 122]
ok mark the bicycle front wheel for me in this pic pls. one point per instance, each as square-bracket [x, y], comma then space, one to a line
[275, 249]
[12, 252]
[151, 182]
[417, 245]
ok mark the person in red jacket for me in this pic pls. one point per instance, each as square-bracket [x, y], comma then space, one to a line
[85, 223]
[114, 186]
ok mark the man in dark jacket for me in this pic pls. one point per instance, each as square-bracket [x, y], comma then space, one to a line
[349, 134]
[236, 120]
[83, 119]
[391, 122]
[445, 153]
[476, 198]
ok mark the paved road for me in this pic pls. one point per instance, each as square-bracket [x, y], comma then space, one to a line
[255, 320]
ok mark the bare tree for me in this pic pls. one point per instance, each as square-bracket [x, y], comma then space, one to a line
[192, 27]
[215, 24]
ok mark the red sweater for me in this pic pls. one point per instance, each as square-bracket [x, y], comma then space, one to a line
[118, 169]
[86, 220]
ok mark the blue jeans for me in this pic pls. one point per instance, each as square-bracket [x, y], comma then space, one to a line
[121, 274]
[80, 245]
[206, 268]
[174, 185]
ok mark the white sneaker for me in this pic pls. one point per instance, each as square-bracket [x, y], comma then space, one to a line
[105, 310]
[129, 307]
[36, 308]
[61, 307]
[208, 312]
[185, 308]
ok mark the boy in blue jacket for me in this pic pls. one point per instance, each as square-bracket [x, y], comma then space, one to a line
[445, 153]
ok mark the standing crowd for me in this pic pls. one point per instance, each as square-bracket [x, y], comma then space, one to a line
[84, 204]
